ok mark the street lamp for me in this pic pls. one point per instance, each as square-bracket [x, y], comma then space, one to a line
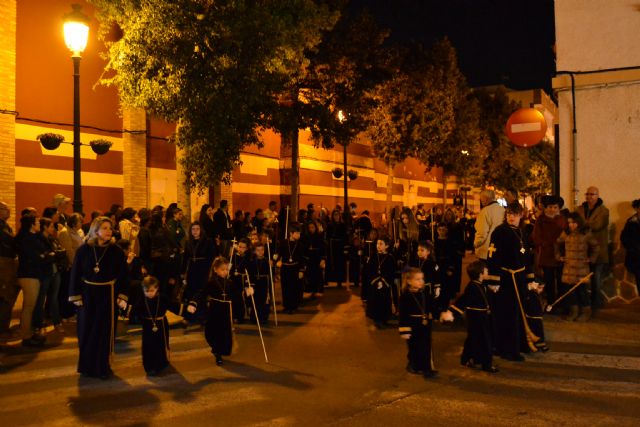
[347, 213]
[76, 33]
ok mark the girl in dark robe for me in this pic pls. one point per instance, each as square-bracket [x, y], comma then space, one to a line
[218, 330]
[97, 284]
[425, 261]
[239, 265]
[382, 290]
[368, 250]
[336, 242]
[316, 257]
[199, 253]
[260, 279]
[290, 257]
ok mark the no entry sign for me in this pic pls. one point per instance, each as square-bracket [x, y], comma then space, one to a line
[526, 127]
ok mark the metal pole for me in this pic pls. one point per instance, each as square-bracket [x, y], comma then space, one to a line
[77, 183]
[346, 191]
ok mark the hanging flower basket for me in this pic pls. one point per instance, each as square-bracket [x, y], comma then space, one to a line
[50, 141]
[337, 172]
[100, 146]
[352, 174]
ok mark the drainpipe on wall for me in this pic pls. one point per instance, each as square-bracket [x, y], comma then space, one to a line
[574, 131]
[574, 141]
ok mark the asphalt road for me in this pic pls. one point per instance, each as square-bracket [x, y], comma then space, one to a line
[328, 366]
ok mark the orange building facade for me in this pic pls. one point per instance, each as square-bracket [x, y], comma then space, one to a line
[36, 93]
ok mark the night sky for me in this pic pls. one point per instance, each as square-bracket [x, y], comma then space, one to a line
[506, 42]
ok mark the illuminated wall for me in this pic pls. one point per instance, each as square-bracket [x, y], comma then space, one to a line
[43, 92]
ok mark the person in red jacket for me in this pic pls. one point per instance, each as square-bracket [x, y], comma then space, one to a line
[546, 231]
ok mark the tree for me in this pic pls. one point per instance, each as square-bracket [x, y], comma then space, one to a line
[461, 153]
[414, 112]
[211, 67]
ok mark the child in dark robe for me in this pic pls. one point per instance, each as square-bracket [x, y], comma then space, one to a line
[478, 346]
[417, 305]
[382, 289]
[261, 282]
[239, 264]
[218, 330]
[533, 308]
[290, 258]
[151, 309]
[315, 259]
[425, 261]
[368, 249]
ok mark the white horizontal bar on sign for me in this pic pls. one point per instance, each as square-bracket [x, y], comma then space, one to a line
[30, 132]
[65, 177]
[526, 127]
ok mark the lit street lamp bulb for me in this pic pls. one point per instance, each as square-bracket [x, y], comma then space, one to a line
[341, 116]
[465, 152]
[75, 36]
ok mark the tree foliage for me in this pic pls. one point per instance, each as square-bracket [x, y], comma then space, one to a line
[527, 170]
[414, 112]
[347, 64]
[463, 150]
[212, 67]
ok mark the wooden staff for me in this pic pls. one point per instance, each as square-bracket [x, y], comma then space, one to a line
[255, 312]
[580, 282]
[348, 265]
[286, 224]
[273, 288]
[531, 337]
[432, 223]
[233, 247]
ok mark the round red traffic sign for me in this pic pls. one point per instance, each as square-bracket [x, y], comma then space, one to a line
[526, 127]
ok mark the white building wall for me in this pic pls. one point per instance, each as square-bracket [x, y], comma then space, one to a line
[594, 35]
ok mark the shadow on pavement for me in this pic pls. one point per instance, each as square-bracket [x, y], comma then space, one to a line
[283, 377]
[14, 355]
[172, 381]
[93, 404]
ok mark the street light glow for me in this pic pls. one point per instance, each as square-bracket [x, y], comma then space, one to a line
[465, 152]
[76, 30]
[341, 116]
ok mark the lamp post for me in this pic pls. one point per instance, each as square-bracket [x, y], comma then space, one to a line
[347, 212]
[76, 33]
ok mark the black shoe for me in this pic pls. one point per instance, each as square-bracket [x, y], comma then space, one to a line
[106, 375]
[219, 360]
[490, 368]
[543, 347]
[152, 373]
[430, 373]
[469, 363]
[39, 337]
[32, 342]
[411, 370]
[378, 325]
[514, 357]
